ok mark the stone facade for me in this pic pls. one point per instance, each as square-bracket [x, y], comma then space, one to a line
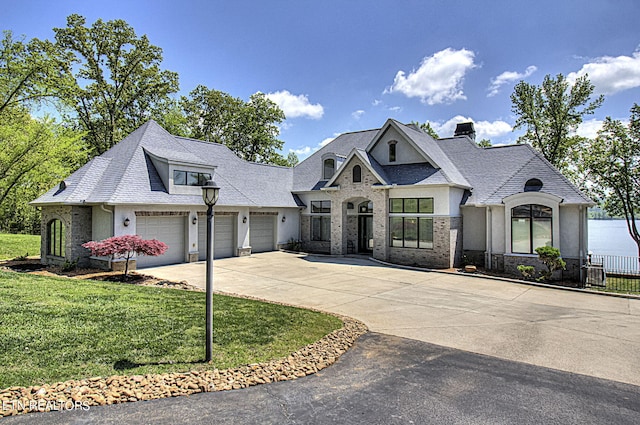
[77, 223]
[322, 247]
[446, 251]
[511, 263]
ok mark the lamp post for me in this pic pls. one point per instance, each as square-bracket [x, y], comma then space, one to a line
[210, 192]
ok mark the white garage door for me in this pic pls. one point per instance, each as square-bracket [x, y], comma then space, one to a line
[223, 239]
[262, 233]
[168, 229]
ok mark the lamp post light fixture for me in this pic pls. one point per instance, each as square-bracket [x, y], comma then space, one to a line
[210, 193]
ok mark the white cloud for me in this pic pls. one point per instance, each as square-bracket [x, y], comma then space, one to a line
[395, 108]
[589, 128]
[611, 74]
[305, 151]
[376, 102]
[508, 77]
[484, 129]
[296, 105]
[438, 79]
[357, 114]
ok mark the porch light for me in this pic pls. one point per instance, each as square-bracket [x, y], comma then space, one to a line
[195, 219]
[210, 192]
[284, 219]
[126, 222]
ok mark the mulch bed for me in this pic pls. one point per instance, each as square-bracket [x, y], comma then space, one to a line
[33, 266]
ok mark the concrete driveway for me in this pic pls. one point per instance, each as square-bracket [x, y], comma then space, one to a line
[576, 332]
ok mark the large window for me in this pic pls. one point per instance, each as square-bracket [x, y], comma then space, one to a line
[56, 233]
[190, 178]
[407, 229]
[531, 227]
[320, 220]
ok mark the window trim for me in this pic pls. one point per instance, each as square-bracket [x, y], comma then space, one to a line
[325, 169]
[419, 202]
[420, 221]
[56, 234]
[393, 151]
[412, 209]
[532, 219]
[356, 176]
[320, 211]
[201, 177]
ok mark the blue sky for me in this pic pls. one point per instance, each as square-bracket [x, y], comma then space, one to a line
[348, 65]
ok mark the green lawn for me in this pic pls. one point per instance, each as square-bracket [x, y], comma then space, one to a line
[621, 284]
[55, 329]
[12, 246]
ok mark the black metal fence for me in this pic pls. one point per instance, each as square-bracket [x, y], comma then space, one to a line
[613, 273]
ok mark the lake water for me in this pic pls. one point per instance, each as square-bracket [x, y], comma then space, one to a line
[611, 237]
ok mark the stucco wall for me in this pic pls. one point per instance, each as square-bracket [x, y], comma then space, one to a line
[475, 228]
[405, 153]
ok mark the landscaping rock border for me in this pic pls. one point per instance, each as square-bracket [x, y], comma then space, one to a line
[84, 393]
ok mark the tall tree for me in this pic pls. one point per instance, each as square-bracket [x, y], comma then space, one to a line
[551, 113]
[119, 83]
[426, 127]
[30, 72]
[613, 163]
[35, 154]
[249, 129]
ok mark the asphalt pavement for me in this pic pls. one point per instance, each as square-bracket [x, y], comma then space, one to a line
[390, 380]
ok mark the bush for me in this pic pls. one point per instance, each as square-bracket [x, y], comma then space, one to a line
[551, 258]
[528, 272]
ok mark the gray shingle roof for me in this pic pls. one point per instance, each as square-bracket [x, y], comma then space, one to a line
[125, 175]
[498, 172]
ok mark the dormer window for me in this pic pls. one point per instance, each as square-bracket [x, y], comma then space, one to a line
[392, 151]
[190, 178]
[329, 168]
[357, 174]
[533, 185]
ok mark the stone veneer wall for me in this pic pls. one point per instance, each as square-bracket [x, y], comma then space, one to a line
[323, 247]
[511, 263]
[77, 222]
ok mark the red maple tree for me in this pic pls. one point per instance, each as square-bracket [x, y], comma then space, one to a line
[125, 246]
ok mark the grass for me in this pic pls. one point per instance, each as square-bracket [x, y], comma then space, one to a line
[12, 246]
[621, 284]
[56, 329]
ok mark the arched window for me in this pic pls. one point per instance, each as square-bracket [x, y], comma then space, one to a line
[357, 174]
[392, 151]
[329, 168]
[56, 235]
[531, 227]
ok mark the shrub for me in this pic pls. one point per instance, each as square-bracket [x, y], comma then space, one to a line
[528, 272]
[551, 258]
[125, 246]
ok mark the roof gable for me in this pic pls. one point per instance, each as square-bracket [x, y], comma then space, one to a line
[407, 152]
[373, 168]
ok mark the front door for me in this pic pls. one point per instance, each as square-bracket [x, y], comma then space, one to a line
[365, 233]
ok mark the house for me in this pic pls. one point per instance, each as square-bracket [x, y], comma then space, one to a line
[394, 193]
